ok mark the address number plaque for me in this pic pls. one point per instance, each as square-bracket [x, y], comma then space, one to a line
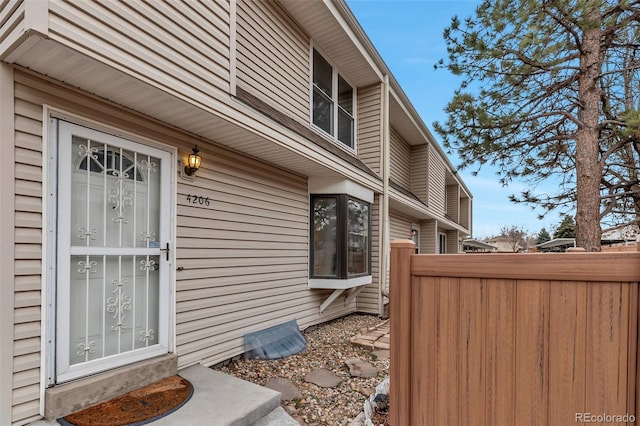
[198, 200]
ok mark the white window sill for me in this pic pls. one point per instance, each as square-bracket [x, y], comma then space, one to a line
[340, 284]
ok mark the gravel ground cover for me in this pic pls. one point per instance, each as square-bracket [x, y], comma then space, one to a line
[328, 347]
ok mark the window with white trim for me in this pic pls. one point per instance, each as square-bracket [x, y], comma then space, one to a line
[340, 237]
[332, 101]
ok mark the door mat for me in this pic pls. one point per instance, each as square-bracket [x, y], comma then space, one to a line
[135, 408]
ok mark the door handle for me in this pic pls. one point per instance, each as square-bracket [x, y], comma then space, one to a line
[166, 251]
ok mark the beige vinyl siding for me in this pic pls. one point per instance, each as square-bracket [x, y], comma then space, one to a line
[7, 241]
[420, 171]
[369, 298]
[245, 261]
[453, 202]
[28, 260]
[400, 169]
[452, 241]
[465, 213]
[12, 25]
[178, 46]
[370, 126]
[245, 258]
[400, 226]
[429, 237]
[399, 229]
[436, 182]
[273, 58]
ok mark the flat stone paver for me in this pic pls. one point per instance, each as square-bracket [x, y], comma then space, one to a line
[360, 368]
[287, 389]
[380, 355]
[323, 378]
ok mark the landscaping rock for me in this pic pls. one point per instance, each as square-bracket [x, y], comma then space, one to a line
[361, 389]
[359, 368]
[323, 378]
[328, 347]
[359, 420]
[380, 355]
[288, 390]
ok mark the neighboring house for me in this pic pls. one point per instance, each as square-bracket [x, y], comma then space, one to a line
[502, 244]
[623, 239]
[471, 245]
[556, 245]
[625, 235]
[113, 257]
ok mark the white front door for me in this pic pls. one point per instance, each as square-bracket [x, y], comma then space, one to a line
[112, 293]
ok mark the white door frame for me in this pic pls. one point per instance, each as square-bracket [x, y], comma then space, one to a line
[442, 249]
[50, 243]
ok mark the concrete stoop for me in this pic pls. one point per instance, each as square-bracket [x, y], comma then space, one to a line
[278, 417]
[222, 400]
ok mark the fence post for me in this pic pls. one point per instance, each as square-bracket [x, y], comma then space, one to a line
[400, 313]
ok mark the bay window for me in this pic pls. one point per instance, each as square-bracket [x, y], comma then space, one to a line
[340, 237]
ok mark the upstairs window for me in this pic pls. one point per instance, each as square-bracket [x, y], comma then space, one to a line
[332, 109]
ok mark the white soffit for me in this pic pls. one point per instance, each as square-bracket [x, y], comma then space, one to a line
[326, 185]
[402, 121]
[212, 120]
[323, 23]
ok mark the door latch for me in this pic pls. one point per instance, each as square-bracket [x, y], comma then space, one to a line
[166, 250]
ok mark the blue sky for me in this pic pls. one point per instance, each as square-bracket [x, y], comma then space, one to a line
[408, 36]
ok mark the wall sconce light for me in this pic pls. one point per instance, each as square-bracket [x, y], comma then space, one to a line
[193, 162]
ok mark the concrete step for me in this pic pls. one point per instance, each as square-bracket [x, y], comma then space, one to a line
[278, 417]
[220, 400]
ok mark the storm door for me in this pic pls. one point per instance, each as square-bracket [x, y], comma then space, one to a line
[113, 252]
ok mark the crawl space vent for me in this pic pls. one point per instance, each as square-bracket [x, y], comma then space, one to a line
[275, 342]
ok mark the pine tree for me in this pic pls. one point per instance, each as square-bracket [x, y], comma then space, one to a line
[543, 236]
[550, 88]
[566, 228]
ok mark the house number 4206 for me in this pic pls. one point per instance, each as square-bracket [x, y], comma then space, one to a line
[198, 200]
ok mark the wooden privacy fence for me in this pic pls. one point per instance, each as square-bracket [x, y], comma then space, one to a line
[513, 339]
